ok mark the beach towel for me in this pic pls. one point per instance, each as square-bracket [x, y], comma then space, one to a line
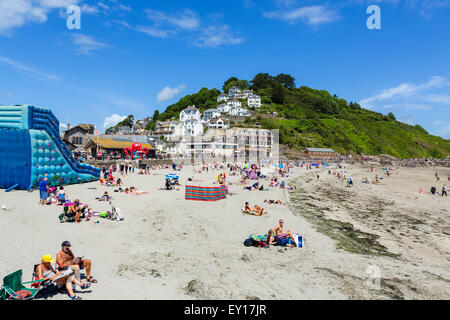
[205, 193]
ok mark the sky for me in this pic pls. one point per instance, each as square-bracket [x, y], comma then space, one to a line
[138, 56]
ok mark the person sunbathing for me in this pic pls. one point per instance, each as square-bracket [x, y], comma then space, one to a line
[65, 278]
[270, 238]
[282, 236]
[135, 192]
[105, 197]
[278, 201]
[255, 211]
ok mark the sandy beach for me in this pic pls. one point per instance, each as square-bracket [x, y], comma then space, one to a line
[171, 248]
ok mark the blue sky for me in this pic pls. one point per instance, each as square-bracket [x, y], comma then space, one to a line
[136, 56]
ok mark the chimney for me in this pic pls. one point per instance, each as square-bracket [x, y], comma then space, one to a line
[68, 126]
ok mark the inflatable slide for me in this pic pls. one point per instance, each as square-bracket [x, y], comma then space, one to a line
[31, 149]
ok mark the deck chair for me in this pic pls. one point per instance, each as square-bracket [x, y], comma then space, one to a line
[64, 217]
[13, 283]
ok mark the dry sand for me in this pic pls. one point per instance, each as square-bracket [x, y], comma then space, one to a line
[171, 248]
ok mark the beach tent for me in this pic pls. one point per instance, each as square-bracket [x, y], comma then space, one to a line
[205, 193]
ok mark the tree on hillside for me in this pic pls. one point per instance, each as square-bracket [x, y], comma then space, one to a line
[127, 122]
[391, 116]
[226, 83]
[241, 84]
[278, 93]
[152, 124]
[286, 80]
[262, 81]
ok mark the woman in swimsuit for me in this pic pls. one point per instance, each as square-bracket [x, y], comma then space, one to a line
[45, 271]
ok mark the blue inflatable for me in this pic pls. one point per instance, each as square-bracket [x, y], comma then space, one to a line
[32, 149]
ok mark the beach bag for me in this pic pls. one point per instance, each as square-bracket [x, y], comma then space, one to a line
[248, 242]
[104, 215]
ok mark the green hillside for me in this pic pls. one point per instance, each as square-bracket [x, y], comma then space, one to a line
[308, 117]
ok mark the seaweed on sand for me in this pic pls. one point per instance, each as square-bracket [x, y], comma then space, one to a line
[347, 237]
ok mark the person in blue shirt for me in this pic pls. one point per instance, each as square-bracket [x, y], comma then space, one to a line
[43, 190]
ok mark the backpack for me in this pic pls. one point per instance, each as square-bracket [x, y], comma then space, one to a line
[248, 242]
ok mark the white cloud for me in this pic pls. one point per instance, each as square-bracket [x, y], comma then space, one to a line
[29, 71]
[188, 26]
[124, 8]
[215, 36]
[404, 90]
[187, 20]
[313, 15]
[168, 92]
[87, 44]
[62, 127]
[112, 120]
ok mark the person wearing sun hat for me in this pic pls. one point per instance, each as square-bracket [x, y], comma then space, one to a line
[45, 271]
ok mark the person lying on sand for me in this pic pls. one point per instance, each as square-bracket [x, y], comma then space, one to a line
[255, 211]
[135, 192]
[282, 235]
[65, 259]
[278, 201]
[45, 271]
[105, 197]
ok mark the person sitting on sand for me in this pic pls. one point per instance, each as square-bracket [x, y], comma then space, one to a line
[270, 238]
[45, 271]
[278, 201]
[105, 197]
[119, 182]
[75, 210]
[168, 185]
[65, 259]
[255, 211]
[282, 236]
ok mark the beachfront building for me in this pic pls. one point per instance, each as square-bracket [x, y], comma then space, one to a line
[253, 100]
[320, 153]
[210, 114]
[234, 143]
[140, 125]
[190, 119]
[78, 136]
[104, 146]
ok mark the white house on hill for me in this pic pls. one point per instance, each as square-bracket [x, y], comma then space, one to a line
[210, 114]
[254, 100]
[190, 119]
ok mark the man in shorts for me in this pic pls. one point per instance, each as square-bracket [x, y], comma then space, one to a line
[43, 191]
[66, 259]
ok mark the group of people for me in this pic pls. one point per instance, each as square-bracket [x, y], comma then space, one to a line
[279, 236]
[67, 273]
